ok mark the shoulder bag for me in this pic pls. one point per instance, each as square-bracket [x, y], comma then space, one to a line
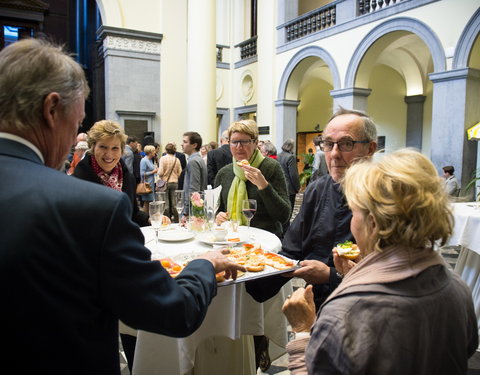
[161, 184]
[144, 187]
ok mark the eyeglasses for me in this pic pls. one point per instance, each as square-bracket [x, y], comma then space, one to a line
[243, 142]
[344, 145]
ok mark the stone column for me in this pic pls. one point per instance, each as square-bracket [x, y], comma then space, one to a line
[201, 68]
[350, 98]
[414, 120]
[286, 115]
[455, 109]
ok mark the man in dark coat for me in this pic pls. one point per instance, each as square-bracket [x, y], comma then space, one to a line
[72, 261]
[218, 158]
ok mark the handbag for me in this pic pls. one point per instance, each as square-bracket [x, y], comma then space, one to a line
[161, 184]
[144, 187]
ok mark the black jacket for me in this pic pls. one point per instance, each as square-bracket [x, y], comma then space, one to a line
[84, 171]
[216, 160]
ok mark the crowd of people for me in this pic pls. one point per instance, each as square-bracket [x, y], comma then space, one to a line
[73, 244]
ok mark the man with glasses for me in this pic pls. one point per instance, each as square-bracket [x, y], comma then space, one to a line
[324, 217]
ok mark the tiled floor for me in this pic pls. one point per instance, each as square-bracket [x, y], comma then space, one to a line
[279, 366]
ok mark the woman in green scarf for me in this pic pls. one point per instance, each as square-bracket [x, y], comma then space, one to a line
[261, 179]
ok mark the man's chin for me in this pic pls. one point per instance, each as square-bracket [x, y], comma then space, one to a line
[337, 173]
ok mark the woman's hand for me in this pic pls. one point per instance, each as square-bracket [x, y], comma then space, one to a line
[221, 218]
[255, 176]
[300, 309]
[343, 265]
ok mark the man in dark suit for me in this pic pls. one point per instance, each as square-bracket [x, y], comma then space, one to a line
[72, 262]
[218, 158]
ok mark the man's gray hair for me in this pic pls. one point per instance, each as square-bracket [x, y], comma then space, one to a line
[31, 69]
[288, 145]
[269, 148]
[369, 127]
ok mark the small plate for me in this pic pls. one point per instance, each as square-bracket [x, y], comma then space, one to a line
[175, 235]
[209, 239]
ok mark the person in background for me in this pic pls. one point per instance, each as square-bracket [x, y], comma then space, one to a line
[213, 145]
[268, 149]
[204, 151]
[319, 167]
[169, 171]
[288, 161]
[73, 262]
[262, 180]
[400, 309]
[128, 155]
[218, 158]
[324, 218]
[450, 182]
[80, 150]
[196, 171]
[147, 174]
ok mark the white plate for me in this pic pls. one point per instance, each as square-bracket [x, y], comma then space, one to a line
[209, 239]
[175, 235]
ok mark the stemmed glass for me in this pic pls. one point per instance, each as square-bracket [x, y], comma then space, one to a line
[249, 207]
[155, 210]
[160, 196]
[179, 202]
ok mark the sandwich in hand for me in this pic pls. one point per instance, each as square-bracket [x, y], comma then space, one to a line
[348, 250]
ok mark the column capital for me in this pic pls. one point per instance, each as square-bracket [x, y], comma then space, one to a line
[452, 75]
[351, 91]
[415, 99]
[287, 103]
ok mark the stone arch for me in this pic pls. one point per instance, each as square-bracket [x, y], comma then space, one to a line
[111, 12]
[416, 27]
[311, 51]
[466, 42]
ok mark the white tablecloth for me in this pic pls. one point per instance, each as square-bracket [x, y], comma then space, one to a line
[466, 233]
[232, 314]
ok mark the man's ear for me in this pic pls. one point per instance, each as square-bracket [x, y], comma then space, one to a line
[372, 147]
[51, 108]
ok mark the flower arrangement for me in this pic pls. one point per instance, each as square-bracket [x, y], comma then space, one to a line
[198, 217]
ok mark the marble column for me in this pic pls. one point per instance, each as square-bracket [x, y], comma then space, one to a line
[414, 120]
[286, 115]
[455, 109]
[201, 68]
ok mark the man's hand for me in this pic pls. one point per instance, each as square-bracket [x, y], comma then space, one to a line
[313, 272]
[221, 218]
[222, 263]
[343, 265]
[300, 309]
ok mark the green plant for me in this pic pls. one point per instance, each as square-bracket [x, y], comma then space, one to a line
[307, 170]
[475, 178]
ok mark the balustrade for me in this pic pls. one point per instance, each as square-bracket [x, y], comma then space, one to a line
[370, 6]
[248, 48]
[311, 22]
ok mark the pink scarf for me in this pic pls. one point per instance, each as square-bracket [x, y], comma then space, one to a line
[393, 264]
[113, 180]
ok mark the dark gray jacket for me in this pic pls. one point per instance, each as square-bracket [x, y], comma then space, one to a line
[289, 166]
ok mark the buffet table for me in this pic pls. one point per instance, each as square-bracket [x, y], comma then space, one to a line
[466, 233]
[223, 343]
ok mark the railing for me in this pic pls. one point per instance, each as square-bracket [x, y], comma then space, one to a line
[248, 48]
[220, 52]
[370, 6]
[311, 22]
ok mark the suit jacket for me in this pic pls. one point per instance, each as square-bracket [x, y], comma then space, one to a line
[195, 178]
[216, 160]
[289, 166]
[72, 263]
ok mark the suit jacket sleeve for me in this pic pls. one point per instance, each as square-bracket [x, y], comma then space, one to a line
[140, 291]
[212, 167]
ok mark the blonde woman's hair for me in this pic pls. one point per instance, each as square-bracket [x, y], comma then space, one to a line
[248, 127]
[403, 193]
[148, 149]
[30, 70]
[105, 129]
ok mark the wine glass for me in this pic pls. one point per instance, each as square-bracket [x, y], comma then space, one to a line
[155, 210]
[179, 202]
[160, 196]
[249, 207]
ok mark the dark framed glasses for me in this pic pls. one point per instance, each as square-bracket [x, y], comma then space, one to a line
[344, 145]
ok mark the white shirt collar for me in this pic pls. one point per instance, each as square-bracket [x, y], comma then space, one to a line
[23, 141]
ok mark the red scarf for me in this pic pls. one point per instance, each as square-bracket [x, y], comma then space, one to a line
[113, 180]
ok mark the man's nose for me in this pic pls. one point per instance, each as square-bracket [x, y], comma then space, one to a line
[335, 151]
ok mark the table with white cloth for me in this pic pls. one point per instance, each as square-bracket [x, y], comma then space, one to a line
[223, 343]
[466, 233]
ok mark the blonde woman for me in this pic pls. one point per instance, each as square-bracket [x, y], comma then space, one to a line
[147, 173]
[400, 309]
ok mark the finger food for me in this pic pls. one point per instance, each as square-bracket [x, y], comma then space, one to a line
[243, 162]
[348, 250]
